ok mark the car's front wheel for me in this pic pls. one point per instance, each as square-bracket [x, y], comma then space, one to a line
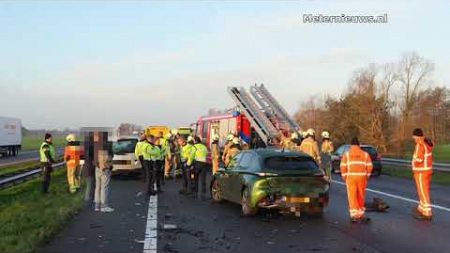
[216, 192]
[247, 210]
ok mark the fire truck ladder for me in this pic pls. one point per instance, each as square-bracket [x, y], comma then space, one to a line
[255, 115]
[271, 106]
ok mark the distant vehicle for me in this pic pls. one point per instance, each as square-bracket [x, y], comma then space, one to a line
[373, 152]
[10, 136]
[124, 159]
[272, 179]
[185, 131]
[224, 124]
[156, 130]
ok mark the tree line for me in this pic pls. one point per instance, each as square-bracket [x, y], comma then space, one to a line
[382, 104]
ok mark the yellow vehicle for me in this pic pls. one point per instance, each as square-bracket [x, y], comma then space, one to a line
[156, 130]
[185, 131]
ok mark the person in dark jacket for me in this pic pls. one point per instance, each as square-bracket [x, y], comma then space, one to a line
[88, 171]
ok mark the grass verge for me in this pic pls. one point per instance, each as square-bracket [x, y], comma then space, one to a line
[29, 219]
[442, 178]
[33, 142]
[22, 166]
[18, 167]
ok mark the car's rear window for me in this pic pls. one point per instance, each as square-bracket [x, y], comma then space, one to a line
[290, 163]
[371, 150]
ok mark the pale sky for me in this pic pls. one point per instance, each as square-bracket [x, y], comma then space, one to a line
[73, 64]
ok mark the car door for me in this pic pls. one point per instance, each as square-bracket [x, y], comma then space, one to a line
[237, 178]
[228, 175]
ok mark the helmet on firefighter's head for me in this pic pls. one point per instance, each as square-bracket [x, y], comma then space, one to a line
[215, 137]
[71, 138]
[294, 135]
[310, 132]
[235, 140]
[230, 137]
[190, 139]
[326, 134]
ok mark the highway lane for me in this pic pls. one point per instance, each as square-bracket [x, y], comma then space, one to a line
[202, 226]
[24, 156]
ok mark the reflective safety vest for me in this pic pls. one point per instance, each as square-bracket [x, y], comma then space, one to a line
[138, 150]
[148, 151]
[72, 155]
[422, 158]
[157, 154]
[45, 146]
[327, 147]
[185, 152]
[198, 153]
[356, 163]
[165, 147]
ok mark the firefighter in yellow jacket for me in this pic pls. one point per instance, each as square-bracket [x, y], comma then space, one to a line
[72, 157]
[309, 145]
[215, 153]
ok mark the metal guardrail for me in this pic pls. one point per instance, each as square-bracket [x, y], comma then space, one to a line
[445, 167]
[13, 180]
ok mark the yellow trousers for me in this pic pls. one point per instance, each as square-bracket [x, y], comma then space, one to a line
[73, 178]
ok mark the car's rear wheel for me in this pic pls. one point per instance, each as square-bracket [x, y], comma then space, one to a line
[216, 192]
[247, 210]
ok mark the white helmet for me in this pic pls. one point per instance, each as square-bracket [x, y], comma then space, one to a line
[190, 138]
[215, 137]
[294, 135]
[326, 134]
[235, 140]
[230, 137]
[310, 132]
[174, 131]
[71, 138]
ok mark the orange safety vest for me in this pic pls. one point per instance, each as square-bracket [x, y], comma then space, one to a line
[356, 163]
[72, 155]
[423, 158]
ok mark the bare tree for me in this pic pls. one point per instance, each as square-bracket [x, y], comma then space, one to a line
[413, 72]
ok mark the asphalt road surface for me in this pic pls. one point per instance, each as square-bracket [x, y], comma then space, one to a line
[24, 156]
[202, 226]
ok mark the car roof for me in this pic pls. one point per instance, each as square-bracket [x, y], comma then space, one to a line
[362, 146]
[271, 152]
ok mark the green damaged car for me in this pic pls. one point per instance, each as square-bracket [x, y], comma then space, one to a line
[272, 179]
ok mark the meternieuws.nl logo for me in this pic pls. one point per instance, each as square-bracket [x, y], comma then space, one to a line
[345, 19]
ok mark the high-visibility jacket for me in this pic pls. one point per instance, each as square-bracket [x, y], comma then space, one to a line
[198, 153]
[185, 152]
[47, 147]
[149, 151]
[423, 157]
[157, 154]
[165, 147]
[310, 147]
[289, 144]
[138, 150]
[215, 153]
[327, 147]
[356, 163]
[225, 151]
[72, 155]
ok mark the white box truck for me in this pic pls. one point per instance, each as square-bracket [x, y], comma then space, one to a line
[10, 136]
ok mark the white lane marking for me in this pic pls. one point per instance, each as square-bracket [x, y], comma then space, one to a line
[397, 197]
[151, 230]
